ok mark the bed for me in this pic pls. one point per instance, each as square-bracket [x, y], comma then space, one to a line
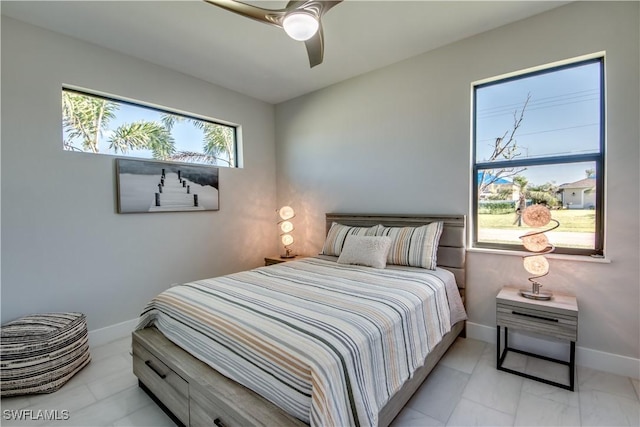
[313, 341]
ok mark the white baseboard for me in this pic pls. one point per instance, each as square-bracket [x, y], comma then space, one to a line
[589, 358]
[111, 333]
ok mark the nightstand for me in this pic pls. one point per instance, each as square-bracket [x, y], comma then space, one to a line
[557, 318]
[277, 259]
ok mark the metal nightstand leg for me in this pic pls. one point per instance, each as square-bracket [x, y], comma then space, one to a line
[500, 356]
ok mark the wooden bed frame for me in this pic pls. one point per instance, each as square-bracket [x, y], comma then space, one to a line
[194, 394]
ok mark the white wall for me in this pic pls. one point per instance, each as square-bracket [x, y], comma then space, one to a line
[397, 140]
[64, 247]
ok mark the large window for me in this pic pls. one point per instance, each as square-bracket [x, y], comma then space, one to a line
[539, 138]
[97, 124]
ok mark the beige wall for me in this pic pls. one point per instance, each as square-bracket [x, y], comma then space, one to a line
[63, 245]
[397, 140]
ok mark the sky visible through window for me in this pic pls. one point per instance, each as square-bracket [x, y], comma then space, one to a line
[561, 117]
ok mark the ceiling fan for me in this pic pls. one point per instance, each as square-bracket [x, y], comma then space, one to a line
[301, 20]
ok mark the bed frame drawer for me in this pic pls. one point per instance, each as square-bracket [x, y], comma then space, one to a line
[163, 382]
[206, 398]
[206, 411]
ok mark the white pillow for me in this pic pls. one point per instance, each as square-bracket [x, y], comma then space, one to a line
[371, 251]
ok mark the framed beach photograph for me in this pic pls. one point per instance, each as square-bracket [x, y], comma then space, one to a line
[152, 186]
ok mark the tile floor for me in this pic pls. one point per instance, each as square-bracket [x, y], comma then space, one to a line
[464, 389]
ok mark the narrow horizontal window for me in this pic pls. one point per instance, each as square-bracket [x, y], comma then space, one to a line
[102, 125]
[539, 139]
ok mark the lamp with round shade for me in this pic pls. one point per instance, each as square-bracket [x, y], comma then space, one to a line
[286, 213]
[536, 241]
[287, 239]
[537, 216]
[300, 26]
[537, 265]
[286, 226]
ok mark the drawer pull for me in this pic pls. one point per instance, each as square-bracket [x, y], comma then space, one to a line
[148, 363]
[218, 422]
[535, 317]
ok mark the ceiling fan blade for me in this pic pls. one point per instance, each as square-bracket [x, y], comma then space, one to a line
[268, 16]
[315, 45]
[315, 48]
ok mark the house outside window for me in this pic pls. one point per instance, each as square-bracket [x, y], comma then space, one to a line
[103, 125]
[538, 138]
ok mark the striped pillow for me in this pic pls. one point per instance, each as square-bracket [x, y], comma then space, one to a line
[338, 234]
[413, 246]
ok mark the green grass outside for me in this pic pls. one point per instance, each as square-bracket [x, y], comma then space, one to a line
[570, 220]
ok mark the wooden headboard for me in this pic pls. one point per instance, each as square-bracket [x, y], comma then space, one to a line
[451, 250]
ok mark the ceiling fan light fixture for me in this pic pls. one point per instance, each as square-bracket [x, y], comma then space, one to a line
[300, 26]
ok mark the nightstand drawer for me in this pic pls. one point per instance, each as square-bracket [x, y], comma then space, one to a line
[539, 321]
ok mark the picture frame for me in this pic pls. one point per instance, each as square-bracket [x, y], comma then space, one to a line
[146, 186]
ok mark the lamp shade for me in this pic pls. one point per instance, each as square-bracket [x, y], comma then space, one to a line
[286, 212]
[286, 226]
[300, 26]
[536, 216]
[536, 265]
[535, 241]
[287, 239]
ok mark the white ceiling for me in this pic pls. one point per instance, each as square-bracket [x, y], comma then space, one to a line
[259, 60]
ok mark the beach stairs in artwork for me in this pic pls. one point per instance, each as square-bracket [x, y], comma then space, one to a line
[175, 194]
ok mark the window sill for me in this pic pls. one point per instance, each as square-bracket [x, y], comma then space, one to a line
[564, 257]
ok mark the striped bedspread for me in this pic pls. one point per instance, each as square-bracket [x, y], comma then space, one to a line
[328, 343]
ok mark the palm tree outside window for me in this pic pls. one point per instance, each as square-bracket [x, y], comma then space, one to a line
[102, 125]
